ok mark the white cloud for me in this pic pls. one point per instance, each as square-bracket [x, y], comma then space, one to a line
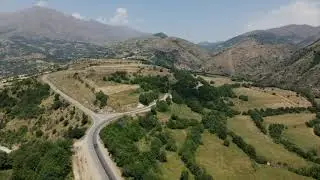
[78, 16]
[297, 12]
[41, 3]
[102, 20]
[120, 17]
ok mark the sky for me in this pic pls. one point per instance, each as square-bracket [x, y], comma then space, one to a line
[194, 20]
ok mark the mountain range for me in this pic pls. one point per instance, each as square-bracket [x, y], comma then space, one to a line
[35, 37]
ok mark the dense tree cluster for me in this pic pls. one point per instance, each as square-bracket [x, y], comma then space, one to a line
[278, 111]
[216, 123]
[147, 83]
[121, 140]
[101, 99]
[148, 97]
[23, 98]
[42, 161]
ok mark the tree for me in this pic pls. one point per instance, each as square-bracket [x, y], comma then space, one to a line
[102, 98]
[5, 161]
[162, 106]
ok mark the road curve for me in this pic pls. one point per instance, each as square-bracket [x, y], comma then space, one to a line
[104, 169]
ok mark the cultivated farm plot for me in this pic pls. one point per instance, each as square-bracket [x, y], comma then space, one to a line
[231, 163]
[297, 131]
[244, 127]
[267, 98]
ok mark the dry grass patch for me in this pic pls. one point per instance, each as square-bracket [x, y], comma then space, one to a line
[220, 161]
[5, 175]
[244, 127]
[65, 82]
[179, 136]
[117, 88]
[124, 101]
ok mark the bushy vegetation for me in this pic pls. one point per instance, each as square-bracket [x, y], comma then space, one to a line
[22, 99]
[101, 99]
[148, 97]
[42, 161]
[313, 171]
[275, 131]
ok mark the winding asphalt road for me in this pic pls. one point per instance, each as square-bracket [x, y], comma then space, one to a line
[104, 169]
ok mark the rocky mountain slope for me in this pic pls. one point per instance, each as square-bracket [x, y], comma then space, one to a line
[255, 54]
[301, 71]
[165, 51]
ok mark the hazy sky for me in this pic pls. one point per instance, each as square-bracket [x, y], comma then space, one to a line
[195, 20]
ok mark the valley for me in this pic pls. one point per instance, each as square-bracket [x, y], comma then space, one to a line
[84, 100]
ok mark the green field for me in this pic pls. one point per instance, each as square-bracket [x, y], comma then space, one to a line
[244, 127]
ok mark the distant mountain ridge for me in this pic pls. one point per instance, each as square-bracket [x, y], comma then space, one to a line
[48, 23]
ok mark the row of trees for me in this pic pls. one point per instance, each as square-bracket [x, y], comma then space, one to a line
[258, 120]
[188, 150]
[247, 148]
[277, 111]
[176, 122]
[119, 77]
